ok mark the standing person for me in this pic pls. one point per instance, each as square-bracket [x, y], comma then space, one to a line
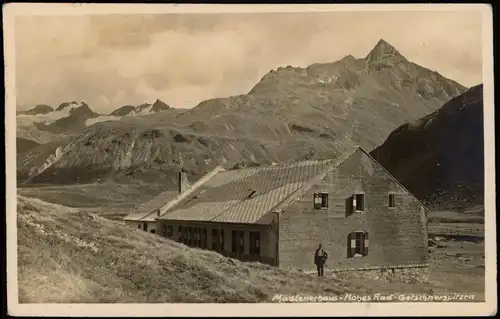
[320, 257]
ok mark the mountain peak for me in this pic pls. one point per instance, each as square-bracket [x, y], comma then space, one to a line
[159, 106]
[383, 50]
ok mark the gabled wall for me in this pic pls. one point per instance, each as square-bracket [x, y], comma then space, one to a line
[397, 236]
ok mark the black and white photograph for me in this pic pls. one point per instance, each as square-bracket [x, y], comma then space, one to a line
[194, 160]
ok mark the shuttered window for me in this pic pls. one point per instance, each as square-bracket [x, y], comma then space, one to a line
[360, 202]
[320, 200]
[355, 203]
[357, 244]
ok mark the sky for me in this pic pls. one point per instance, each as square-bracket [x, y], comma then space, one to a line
[122, 59]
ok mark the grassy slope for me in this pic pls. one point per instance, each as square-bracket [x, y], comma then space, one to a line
[66, 256]
[109, 199]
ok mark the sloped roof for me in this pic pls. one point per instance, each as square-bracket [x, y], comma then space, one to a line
[145, 212]
[246, 195]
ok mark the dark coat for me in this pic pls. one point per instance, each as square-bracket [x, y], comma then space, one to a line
[320, 260]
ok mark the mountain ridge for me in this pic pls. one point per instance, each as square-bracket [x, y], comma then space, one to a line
[430, 168]
[291, 114]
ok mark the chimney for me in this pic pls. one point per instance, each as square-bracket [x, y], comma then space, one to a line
[183, 182]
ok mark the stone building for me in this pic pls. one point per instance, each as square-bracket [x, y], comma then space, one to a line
[278, 214]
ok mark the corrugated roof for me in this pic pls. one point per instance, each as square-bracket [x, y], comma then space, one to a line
[246, 195]
[146, 210]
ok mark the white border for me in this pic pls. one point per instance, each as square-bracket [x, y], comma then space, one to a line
[258, 310]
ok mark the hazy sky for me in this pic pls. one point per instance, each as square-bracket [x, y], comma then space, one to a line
[112, 60]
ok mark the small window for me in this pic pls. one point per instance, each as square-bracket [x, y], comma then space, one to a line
[170, 231]
[238, 244]
[357, 244]
[360, 202]
[164, 230]
[233, 241]
[204, 238]
[320, 200]
[139, 226]
[255, 243]
[153, 231]
[222, 247]
[242, 242]
[392, 200]
[190, 236]
[215, 239]
[181, 234]
[198, 237]
[145, 226]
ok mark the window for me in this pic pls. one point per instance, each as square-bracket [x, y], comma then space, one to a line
[195, 236]
[170, 231]
[255, 243]
[234, 241]
[164, 230]
[360, 202]
[153, 231]
[222, 247]
[204, 238]
[242, 242]
[357, 244]
[355, 203]
[139, 226]
[185, 236]
[190, 236]
[238, 244]
[145, 226]
[320, 200]
[198, 237]
[392, 200]
[215, 239]
[181, 234]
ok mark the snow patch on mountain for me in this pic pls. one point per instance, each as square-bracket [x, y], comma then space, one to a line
[24, 119]
[102, 118]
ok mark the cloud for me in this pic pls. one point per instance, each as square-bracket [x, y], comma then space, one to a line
[112, 60]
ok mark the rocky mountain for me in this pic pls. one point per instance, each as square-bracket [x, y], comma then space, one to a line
[76, 116]
[291, 114]
[123, 111]
[39, 109]
[23, 145]
[440, 157]
[159, 106]
[143, 109]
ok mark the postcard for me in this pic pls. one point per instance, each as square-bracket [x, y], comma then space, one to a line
[258, 160]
